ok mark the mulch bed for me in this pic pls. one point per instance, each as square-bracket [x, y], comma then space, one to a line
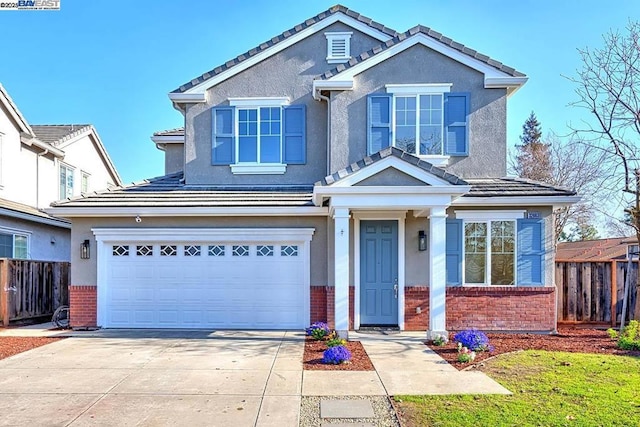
[14, 345]
[313, 350]
[573, 340]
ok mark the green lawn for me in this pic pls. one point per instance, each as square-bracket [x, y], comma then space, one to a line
[549, 389]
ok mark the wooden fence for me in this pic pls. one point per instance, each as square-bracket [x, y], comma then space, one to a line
[31, 289]
[592, 292]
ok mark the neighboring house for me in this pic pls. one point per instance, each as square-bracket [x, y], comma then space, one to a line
[612, 249]
[39, 165]
[339, 171]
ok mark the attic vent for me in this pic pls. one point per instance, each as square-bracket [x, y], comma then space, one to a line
[338, 47]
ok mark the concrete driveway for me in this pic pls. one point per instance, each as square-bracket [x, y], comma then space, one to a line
[116, 377]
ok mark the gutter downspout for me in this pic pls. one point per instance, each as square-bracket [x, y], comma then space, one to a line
[319, 97]
[44, 153]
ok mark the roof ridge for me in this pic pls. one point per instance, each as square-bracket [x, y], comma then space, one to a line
[338, 8]
[421, 29]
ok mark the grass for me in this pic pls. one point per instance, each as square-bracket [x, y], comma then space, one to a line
[549, 389]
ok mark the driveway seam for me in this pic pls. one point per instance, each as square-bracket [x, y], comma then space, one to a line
[266, 384]
[115, 385]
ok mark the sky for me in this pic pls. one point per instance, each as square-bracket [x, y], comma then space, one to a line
[112, 63]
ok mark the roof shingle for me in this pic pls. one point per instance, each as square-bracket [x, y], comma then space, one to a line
[57, 134]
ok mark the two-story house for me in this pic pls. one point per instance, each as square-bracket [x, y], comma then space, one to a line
[339, 171]
[39, 165]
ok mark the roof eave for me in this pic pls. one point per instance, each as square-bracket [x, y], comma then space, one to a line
[555, 201]
[47, 148]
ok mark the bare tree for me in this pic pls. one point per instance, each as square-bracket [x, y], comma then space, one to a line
[578, 167]
[608, 87]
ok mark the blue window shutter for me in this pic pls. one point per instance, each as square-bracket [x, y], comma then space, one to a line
[379, 122]
[456, 122]
[454, 251]
[294, 135]
[531, 252]
[223, 147]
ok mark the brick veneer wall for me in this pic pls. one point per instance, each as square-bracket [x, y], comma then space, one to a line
[498, 308]
[83, 304]
[322, 305]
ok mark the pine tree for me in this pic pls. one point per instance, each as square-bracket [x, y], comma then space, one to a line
[533, 160]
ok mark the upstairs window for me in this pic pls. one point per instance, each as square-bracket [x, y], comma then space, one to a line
[66, 181]
[425, 120]
[259, 136]
[1, 158]
[633, 251]
[338, 47]
[84, 184]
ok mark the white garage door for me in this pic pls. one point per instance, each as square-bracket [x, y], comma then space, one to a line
[194, 284]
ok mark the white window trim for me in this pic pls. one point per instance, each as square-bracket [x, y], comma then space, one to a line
[258, 102]
[419, 89]
[69, 168]
[17, 232]
[257, 168]
[339, 35]
[487, 217]
[84, 174]
[434, 159]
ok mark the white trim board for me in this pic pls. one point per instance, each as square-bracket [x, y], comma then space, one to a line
[395, 163]
[202, 87]
[176, 211]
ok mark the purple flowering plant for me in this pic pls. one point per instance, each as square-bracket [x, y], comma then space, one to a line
[473, 339]
[336, 355]
[318, 330]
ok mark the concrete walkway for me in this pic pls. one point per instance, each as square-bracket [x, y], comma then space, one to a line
[404, 366]
[138, 377]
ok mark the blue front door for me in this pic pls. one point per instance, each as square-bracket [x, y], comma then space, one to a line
[379, 273]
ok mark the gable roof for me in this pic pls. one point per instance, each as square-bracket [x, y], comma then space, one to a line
[60, 135]
[595, 250]
[349, 14]
[420, 29]
[390, 152]
[57, 134]
[15, 113]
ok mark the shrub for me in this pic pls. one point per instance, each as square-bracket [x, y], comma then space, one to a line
[629, 339]
[318, 330]
[613, 334]
[332, 342]
[473, 339]
[440, 340]
[336, 355]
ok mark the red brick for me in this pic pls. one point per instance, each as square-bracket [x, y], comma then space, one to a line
[83, 304]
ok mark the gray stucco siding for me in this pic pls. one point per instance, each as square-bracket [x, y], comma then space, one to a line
[289, 73]
[419, 64]
[46, 242]
[173, 158]
[84, 271]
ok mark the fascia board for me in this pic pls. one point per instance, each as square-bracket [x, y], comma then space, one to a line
[204, 234]
[517, 201]
[150, 211]
[35, 218]
[492, 74]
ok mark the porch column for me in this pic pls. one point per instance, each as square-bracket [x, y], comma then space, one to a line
[341, 266]
[437, 271]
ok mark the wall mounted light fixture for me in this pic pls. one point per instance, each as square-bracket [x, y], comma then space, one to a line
[422, 241]
[85, 250]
